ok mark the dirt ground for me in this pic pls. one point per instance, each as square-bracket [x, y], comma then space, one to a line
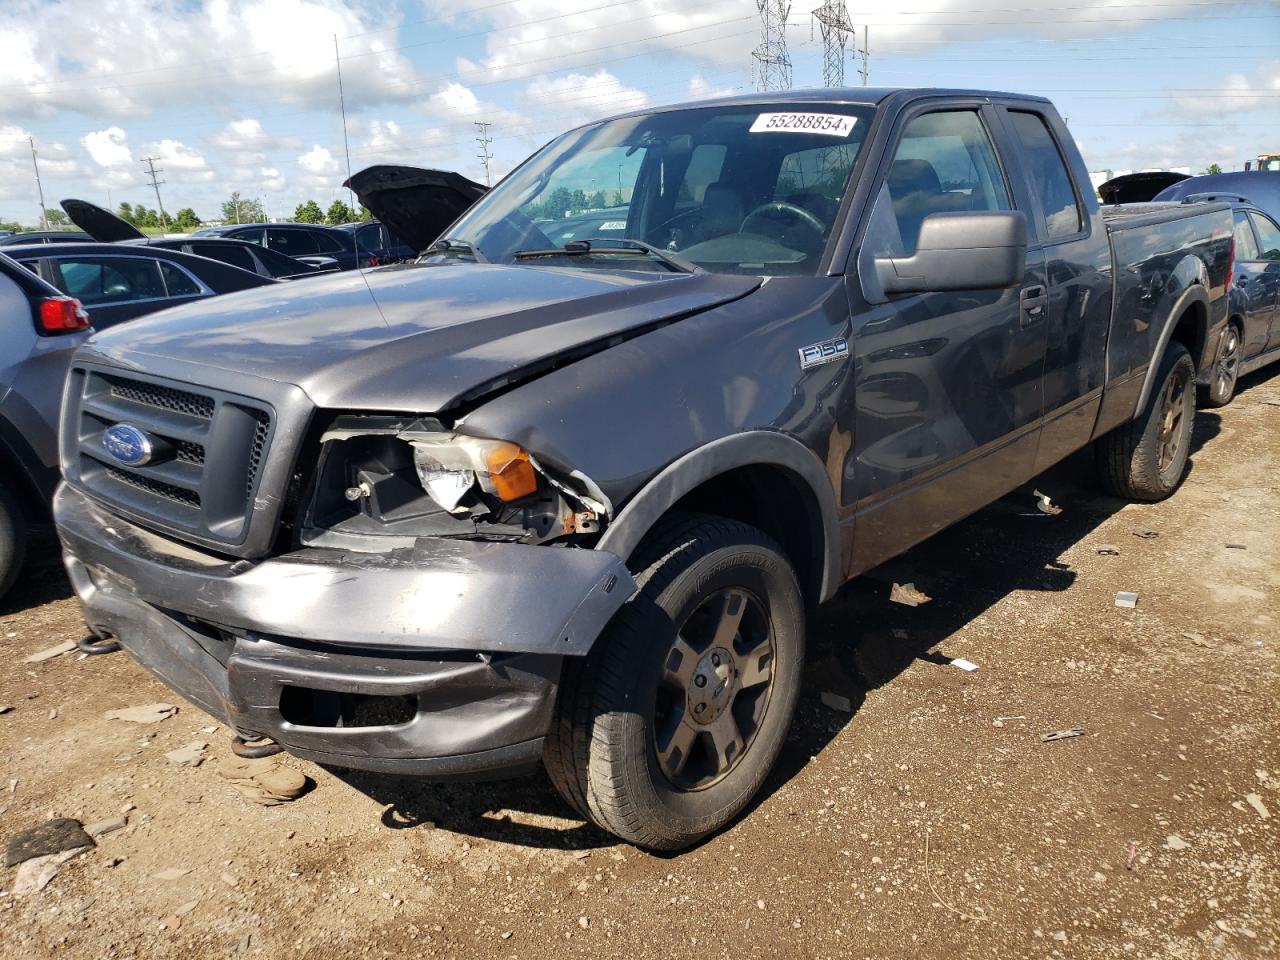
[920, 825]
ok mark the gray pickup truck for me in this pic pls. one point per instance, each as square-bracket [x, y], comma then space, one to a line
[523, 502]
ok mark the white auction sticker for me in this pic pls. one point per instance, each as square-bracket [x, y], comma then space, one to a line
[832, 124]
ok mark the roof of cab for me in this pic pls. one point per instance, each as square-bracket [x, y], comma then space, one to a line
[860, 95]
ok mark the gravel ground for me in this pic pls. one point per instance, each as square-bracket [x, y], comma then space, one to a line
[930, 821]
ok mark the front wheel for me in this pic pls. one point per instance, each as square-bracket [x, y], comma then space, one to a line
[669, 727]
[1145, 459]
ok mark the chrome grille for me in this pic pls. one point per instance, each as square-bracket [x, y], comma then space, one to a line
[209, 450]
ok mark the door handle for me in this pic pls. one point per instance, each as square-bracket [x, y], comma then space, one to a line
[1032, 301]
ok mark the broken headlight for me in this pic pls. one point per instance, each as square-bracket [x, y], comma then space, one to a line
[449, 465]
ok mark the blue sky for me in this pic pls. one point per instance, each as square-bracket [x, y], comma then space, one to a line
[242, 94]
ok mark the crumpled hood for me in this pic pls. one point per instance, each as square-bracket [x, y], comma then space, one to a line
[417, 338]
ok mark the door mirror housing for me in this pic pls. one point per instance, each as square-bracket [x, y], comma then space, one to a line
[960, 251]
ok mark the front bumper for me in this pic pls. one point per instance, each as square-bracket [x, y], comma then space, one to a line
[357, 660]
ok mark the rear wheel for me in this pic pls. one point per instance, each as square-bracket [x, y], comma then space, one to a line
[13, 539]
[1226, 370]
[670, 726]
[1145, 458]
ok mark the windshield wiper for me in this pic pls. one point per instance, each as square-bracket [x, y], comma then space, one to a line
[612, 247]
[449, 245]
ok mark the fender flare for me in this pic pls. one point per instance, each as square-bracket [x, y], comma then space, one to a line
[751, 449]
[1195, 293]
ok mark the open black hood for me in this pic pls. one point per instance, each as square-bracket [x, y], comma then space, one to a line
[103, 225]
[1140, 187]
[416, 204]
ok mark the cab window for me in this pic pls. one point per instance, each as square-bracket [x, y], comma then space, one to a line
[1049, 174]
[945, 163]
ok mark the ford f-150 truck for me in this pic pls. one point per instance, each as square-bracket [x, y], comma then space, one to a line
[527, 502]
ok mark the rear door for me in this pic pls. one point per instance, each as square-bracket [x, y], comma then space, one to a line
[1269, 279]
[948, 388]
[1071, 242]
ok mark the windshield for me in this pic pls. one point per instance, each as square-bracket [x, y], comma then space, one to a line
[740, 189]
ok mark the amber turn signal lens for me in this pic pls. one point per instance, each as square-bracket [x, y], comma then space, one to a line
[510, 472]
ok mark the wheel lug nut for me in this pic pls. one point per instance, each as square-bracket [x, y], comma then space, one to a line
[699, 707]
[700, 680]
[715, 659]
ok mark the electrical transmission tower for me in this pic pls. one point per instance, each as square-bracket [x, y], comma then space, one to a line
[771, 69]
[155, 185]
[483, 140]
[833, 21]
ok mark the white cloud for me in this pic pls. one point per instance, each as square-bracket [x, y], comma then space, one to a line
[1238, 92]
[454, 100]
[597, 94]
[180, 163]
[318, 161]
[108, 148]
[247, 135]
[78, 55]
[700, 89]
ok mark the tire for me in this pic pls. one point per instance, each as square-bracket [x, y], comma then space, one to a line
[663, 750]
[1226, 370]
[13, 540]
[1145, 459]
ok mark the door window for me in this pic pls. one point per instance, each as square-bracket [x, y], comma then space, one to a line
[230, 253]
[1049, 174]
[103, 280]
[369, 239]
[292, 243]
[1268, 236]
[945, 163]
[326, 242]
[253, 236]
[178, 282]
[1246, 244]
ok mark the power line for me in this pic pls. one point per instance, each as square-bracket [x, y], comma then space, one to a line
[771, 64]
[342, 105]
[483, 139]
[155, 184]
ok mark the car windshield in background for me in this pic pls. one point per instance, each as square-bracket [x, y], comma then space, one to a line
[741, 189]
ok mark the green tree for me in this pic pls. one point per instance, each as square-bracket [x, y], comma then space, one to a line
[56, 218]
[1212, 168]
[142, 217]
[186, 220]
[365, 214]
[238, 209]
[308, 212]
[339, 212]
[125, 211]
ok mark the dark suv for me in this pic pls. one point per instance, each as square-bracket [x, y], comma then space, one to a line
[307, 242]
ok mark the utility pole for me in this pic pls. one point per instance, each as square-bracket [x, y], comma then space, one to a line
[155, 184]
[865, 69]
[342, 105]
[771, 69]
[44, 218]
[483, 140]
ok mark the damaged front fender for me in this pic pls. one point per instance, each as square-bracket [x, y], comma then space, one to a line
[440, 594]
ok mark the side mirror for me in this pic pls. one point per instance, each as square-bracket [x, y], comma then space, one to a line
[960, 251]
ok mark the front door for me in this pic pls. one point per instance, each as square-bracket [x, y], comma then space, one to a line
[1267, 270]
[948, 393]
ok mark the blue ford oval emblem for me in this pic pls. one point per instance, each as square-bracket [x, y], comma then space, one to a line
[127, 444]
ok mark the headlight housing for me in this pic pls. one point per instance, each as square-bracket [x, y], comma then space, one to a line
[449, 465]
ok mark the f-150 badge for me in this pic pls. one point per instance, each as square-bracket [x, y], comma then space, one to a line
[826, 352]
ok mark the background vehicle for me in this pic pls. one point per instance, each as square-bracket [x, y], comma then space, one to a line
[1251, 338]
[1266, 162]
[377, 240]
[44, 236]
[1260, 189]
[105, 227]
[119, 283]
[302, 241]
[39, 330]
[569, 502]
[1139, 187]
[412, 203]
